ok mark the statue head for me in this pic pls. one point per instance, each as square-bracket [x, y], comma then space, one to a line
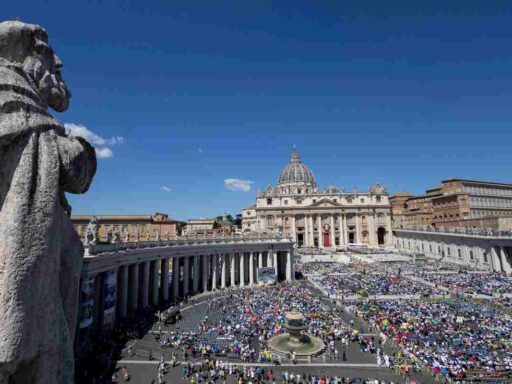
[26, 45]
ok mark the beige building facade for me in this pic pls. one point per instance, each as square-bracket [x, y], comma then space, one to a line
[456, 203]
[325, 218]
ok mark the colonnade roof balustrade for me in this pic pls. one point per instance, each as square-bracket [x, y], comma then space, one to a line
[468, 232]
[105, 256]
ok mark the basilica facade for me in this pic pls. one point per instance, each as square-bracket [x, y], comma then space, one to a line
[326, 217]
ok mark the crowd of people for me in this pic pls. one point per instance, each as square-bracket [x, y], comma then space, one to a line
[358, 284]
[239, 324]
[471, 283]
[456, 340]
[489, 232]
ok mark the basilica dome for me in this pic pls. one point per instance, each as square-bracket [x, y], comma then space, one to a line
[296, 173]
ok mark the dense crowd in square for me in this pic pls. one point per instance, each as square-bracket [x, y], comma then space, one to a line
[471, 283]
[456, 340]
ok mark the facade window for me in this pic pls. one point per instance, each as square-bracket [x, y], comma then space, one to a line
[134, 227]
[471, 256]
[335, 200]
[125, 228]
[449, 251]
[362, 200]
[438, 249]
[378, 199]
[459, 253]
[299, 191]
[314, 201]
[486, 258]
[107, 227]
[430, 247]
[269, 201]
[286, 202]
[143, 228]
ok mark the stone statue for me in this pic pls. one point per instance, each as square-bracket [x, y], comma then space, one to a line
[137, 236]
[92, 232]
[116, 238]
[147, 235]
[167, 237]
[157, 235]
[109, 236]
[40, 252]
[127, 237]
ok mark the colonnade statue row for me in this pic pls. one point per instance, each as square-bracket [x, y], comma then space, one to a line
[40, 253]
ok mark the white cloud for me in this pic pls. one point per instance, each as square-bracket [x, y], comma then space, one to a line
[166, 188]
[238, 185]
[101, 144]
[103, 153]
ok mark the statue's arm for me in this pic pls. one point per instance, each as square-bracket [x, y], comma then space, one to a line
[78, 163]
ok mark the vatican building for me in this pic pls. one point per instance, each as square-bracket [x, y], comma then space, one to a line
[326, 217]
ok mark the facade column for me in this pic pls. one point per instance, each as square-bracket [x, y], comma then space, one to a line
[293, 228]
[205, 273]
[276, 266]
[260, 259]
[175, 277]
[306, 231]
[232, 269]
[195, 282]
[134, 288]
[345, 229]
[371, 230]
[357, 239]
[389, 230]
[251, 268]
[223, 267]
[289, 266]
[504, 261]
[154, 281]
[333, 234]
[122, 292]
[164, 275]
[186, 276]
[319, 231]
[242, 269]
[144, 288]
[214, 272]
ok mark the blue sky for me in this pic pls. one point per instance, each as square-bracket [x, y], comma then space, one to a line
[183, 95]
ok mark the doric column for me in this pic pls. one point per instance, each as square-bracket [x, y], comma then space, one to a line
[205, 273]
[122, 292]
[276, 266]
[133, 287]
[223, 267]
[195, 282]
[496, 263]
[153, 281]
[164, 275]
[288, 265]
[242, 269]
[251, 268]
[260, 259]
[333, 234]
[504, 261]
[186, 276]
[144, 288]
[232, 269]
[214, 272]
[175, 277]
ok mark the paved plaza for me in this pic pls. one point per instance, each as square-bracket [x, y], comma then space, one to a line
[392, 323]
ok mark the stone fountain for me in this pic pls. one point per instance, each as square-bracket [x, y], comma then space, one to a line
[295, 339]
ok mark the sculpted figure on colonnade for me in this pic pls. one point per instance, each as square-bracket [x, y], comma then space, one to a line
[40, 252]
[92, 232]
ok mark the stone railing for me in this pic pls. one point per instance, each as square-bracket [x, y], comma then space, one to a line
[103, 248]
[458, 231]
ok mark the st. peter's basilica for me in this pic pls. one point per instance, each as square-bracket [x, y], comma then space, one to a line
[324, 218]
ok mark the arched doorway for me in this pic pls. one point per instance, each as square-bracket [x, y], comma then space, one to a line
[381, 235]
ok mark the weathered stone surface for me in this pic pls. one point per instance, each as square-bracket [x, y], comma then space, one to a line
[40, 253]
